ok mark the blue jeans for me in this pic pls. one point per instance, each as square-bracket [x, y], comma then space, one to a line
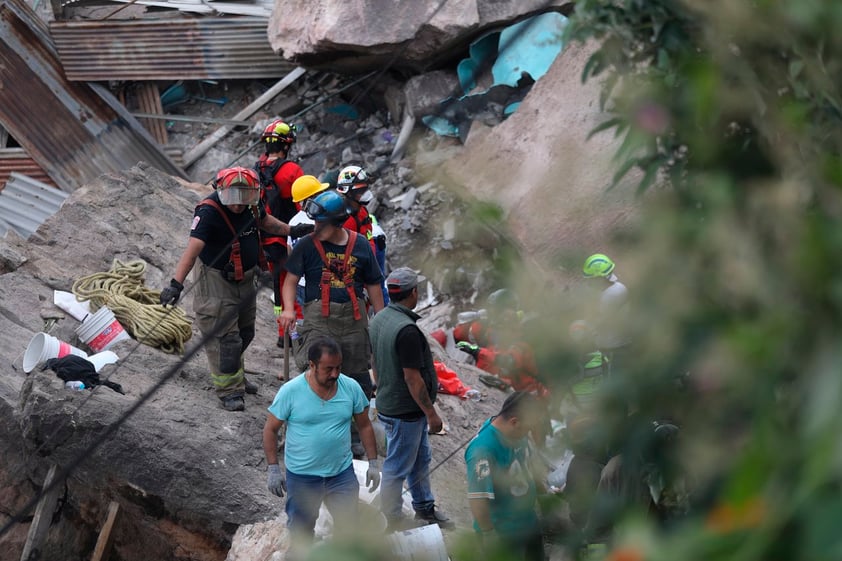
[305, 494]
[380, 255]
[408, 458]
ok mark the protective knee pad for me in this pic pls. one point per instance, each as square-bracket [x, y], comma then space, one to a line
[230, 350]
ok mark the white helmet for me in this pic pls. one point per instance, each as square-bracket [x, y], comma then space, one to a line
[354, 181]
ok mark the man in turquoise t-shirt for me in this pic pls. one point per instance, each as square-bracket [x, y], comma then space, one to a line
[318, 407]
[501, 487]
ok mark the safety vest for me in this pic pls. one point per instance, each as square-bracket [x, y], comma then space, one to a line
[340, 272]
[236, 256]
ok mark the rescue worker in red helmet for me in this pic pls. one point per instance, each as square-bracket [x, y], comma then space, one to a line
[277, 173]
[225, 239]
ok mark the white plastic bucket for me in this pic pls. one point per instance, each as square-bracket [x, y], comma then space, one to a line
[419, 544]
[43, 347]
[101, 330]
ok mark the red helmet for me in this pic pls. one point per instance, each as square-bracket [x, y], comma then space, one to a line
[237, 186]
[279, 131]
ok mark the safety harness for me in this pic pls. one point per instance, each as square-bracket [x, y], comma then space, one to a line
[285, 208]
[341, 272]
[235, 256]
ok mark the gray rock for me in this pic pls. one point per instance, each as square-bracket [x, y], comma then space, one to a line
[404, 34]
[425, 92]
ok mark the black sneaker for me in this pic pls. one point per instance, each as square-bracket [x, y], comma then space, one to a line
[234, 403]
[435, 516]
[251, 387]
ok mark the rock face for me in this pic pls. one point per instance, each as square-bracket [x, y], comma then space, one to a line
[361, 35]
[540, 167]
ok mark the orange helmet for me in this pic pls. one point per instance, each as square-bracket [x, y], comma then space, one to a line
[237, 186]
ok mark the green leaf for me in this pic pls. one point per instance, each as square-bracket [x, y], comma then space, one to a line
[604, 125]
[622, 171]
[649, 177]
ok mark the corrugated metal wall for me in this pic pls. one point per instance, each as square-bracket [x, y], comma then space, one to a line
[183, 49]
[25, 203]
[17, 160]
[74, 131]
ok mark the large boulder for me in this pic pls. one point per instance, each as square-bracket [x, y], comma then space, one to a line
[543, 170]
[362, 35]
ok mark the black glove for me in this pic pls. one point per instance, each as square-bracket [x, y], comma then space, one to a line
[172, 293]
[300, 230]
[380, 242]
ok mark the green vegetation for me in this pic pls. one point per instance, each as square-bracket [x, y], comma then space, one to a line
[735, 107]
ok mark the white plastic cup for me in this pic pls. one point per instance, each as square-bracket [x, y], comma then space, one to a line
[43, 347]
[101, 330]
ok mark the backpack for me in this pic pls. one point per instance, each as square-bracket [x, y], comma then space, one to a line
[279, 207]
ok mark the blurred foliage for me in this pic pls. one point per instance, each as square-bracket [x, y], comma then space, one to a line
[736, 107]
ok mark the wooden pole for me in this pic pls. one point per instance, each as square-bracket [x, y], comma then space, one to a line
[42, 519]
[192, 155]
[102, 551]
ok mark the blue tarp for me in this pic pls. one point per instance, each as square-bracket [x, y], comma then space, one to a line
[521, 53]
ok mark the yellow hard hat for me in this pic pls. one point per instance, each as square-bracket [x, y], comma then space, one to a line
[306, 186]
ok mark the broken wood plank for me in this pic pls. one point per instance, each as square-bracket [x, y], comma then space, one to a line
[42, 519]
[149, 99]
[102, 551]
[191, 156]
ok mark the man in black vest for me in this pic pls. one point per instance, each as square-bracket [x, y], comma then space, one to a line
[224, 238]
[406, 393]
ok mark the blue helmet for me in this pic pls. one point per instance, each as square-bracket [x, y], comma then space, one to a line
[328, 206]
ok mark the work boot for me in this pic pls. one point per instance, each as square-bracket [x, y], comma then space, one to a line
[433, 515]
[251, 387]
[234, 403]
[401, 523]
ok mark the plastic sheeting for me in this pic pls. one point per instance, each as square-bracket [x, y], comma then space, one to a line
[518, 56]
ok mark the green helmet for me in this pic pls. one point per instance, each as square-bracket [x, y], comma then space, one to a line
[598, 265]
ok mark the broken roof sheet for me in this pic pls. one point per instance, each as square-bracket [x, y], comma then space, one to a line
[167, 49]
[258, 8]
[74, 131]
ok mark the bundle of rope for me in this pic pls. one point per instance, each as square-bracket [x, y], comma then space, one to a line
[136, 307]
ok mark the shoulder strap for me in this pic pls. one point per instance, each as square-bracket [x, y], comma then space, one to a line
[342, 272]
[267, 173]
[235, 256]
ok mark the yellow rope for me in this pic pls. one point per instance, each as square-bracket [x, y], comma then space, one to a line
[136, 307]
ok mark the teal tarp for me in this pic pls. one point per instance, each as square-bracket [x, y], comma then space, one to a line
[521, 53]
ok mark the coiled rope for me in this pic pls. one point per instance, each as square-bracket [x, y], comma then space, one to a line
[136, 307]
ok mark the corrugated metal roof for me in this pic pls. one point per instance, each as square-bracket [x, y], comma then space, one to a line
[25, 203]
[258, 8]
[17, 160]
[74, 131]
[182, 49]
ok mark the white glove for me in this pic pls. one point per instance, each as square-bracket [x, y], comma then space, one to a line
[372, 476]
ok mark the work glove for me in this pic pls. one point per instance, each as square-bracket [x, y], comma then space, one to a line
[278, 311]
[372, 476]
[172, 293]
[277, 480]
[300, 230]
[469, 348]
